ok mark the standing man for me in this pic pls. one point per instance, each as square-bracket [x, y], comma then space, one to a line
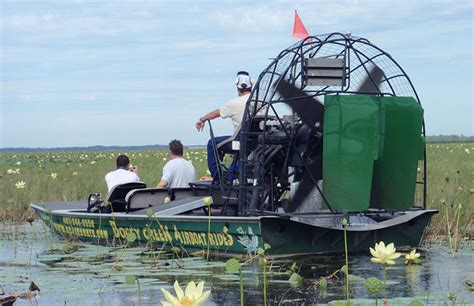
[177, 172]
[125, 173]
[233, 109]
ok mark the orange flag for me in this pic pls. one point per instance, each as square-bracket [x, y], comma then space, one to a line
[299, 30]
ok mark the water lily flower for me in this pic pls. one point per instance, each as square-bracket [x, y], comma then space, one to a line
[18, 163]
[93, 162]
[384, 255]
[20, 185]
[54, 175]
[412, 257]
[165, 159]
[10, 171]
[192, 296]
[74, 173]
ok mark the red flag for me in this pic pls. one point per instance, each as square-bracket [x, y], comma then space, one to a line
[299, 30]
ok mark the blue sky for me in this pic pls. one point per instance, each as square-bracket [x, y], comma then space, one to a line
[81, 73]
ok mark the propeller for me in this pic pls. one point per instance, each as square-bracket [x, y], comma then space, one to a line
[311, 112]
[371, 82]
[309, 109]
[305, 186]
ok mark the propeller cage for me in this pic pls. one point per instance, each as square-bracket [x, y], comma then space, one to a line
[281, 136]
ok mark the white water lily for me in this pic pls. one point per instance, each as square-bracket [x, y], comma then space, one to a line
[412, 257]
[54, 175]
[192, 296]
[384, 255]
[20, 185]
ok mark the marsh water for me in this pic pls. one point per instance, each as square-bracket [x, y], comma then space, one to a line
[75, 273]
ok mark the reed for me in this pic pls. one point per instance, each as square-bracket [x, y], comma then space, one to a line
[344, 224]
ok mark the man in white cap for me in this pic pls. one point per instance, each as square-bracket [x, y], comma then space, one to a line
[233, 109]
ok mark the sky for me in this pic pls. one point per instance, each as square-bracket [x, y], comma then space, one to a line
[84, 73]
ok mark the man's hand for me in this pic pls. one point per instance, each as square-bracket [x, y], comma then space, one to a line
[200, 125]
[133, 169]
[210, 116]
[162, 184]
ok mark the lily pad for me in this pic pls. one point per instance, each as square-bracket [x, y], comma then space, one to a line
[232, 265]
[296, 279]
[130, 279]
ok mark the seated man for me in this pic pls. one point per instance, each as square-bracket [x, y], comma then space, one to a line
[125, 173]
[177, 172]
[233, 109]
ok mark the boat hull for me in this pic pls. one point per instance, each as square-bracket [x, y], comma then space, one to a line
[288, 237]
[228, 235]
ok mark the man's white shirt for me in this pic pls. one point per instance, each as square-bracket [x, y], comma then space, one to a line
[178, 172]
[234, 109]
[120, 176]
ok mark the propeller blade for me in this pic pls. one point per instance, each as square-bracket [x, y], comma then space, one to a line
[309, 109]
[305, 186]
[372, 82]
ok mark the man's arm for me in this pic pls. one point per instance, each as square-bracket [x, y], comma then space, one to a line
[209, 116]
[162, 184]
[167, 176]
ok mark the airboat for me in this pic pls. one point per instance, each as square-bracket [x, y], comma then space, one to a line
[332, 139]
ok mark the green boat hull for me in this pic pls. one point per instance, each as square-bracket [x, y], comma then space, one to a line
[230, 235]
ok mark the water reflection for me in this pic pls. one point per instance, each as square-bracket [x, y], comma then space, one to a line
[95, 275]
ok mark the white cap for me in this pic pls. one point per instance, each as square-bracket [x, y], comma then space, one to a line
[243, 80]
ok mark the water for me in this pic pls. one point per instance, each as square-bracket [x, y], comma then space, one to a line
[85, 274]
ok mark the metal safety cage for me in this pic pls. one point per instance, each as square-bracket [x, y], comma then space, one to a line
[353, 61]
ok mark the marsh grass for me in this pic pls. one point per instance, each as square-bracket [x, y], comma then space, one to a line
[450, 177]
[78, 175]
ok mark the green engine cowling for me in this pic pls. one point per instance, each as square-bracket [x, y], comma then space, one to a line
[371, 149]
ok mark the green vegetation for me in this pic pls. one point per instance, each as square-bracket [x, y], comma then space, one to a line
[69, 176]
[450, 182]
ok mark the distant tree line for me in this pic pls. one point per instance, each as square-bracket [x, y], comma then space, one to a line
[449, 138]
[92, 148]
[429, 139]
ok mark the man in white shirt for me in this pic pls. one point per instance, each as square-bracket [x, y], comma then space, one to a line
[233, 109]
[125, 173]
[177, 172]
